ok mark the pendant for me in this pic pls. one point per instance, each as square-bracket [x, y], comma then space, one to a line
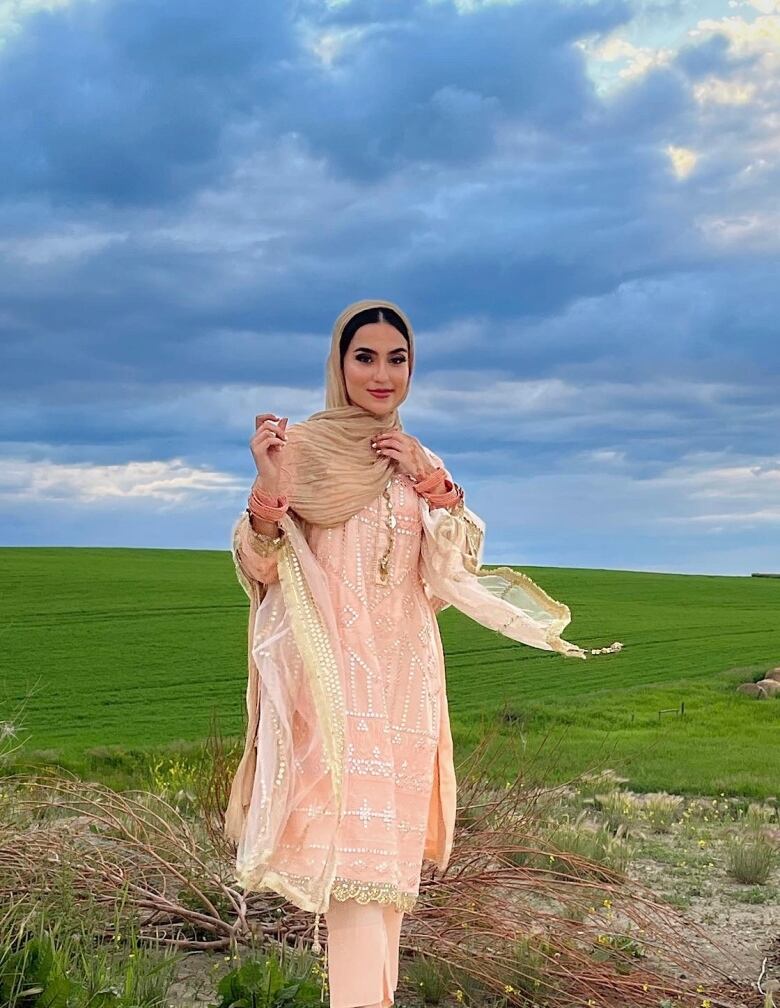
[383, 573]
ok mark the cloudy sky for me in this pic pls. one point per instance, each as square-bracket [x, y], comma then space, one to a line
[576, 203]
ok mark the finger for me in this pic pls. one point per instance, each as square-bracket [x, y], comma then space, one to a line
[264, 416]
[267, 437]
[271, 426]
[390, 448]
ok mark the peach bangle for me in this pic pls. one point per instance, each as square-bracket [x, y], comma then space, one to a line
[430, 488]
[446, 499]
[431, 481]
[265, 507]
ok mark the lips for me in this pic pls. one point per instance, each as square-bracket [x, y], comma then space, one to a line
[380, 393]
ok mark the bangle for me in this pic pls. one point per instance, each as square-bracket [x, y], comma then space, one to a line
[264, 544]
[429, 482]
[438, 490]
[452, 495]
[265, 507]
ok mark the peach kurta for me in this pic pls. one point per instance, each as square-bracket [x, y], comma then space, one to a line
[347, 778]
[392, 697]
[396, 722]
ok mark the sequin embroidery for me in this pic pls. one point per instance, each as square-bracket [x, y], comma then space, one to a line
[391, 703]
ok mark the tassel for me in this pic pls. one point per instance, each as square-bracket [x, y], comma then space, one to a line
[316, 947]
[615, 646]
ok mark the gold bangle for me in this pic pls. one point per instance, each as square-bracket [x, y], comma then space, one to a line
[264, 544]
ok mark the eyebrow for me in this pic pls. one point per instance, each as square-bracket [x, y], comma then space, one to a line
[363, 349]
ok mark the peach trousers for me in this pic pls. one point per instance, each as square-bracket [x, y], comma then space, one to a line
[363, 953]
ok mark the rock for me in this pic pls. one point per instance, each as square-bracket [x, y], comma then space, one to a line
[769, 686]
[752, 689]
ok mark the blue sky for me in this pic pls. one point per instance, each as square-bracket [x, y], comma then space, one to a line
[576, 204]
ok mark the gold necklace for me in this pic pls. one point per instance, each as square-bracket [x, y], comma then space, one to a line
[390, 521]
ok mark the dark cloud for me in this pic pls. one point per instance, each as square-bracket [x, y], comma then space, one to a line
[129, 103]
[188, 197]
[126, 103]
[711, 56]
[428, 83]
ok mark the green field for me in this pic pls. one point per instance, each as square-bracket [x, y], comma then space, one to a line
[140, 648]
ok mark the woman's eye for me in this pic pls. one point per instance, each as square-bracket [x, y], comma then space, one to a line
[365, 359]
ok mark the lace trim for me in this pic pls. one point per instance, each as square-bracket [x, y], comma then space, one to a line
[363, 892]
[295, 887]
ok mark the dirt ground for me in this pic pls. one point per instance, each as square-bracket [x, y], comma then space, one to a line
[687, 867]
[742, 919]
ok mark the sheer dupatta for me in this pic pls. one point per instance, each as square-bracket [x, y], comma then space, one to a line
[501, 599]
[292, 766]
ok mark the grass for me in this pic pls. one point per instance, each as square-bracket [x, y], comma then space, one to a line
[141, 648]
[751, 859]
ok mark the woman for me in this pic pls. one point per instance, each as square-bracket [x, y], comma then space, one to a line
[354, 537]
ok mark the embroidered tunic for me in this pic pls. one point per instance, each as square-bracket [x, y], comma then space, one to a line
[347, 777]
[392, 694]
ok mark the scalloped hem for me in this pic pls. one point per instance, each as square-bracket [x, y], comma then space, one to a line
[380, 892]
[298, 890]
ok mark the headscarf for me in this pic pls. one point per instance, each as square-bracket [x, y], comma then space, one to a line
[334, 472]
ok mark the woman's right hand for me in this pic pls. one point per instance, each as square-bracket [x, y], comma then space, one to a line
[267, 445]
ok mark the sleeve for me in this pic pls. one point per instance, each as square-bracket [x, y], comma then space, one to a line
[501, 598]
[473, 526]
[446, 493]
[255, 555]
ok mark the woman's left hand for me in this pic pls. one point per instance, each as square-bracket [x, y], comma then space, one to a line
[405, 450]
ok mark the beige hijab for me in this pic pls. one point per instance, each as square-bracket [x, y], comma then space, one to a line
[333, 471]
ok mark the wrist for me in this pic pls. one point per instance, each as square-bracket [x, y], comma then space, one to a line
[423, 468]
[267, 486]
[263, 526]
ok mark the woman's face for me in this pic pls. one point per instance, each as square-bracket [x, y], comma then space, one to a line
[377, 358]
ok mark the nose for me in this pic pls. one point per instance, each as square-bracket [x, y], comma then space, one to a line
[382, 375]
